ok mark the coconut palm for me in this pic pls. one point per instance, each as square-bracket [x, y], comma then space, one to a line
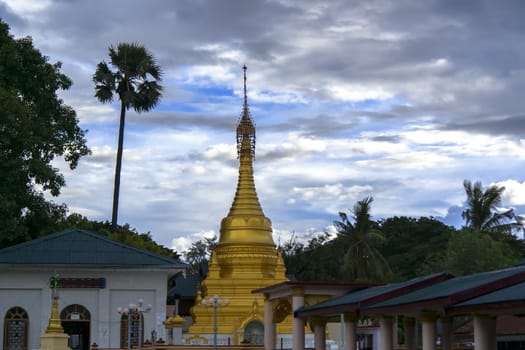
[482, 211]
[135, 80]
[362, 261]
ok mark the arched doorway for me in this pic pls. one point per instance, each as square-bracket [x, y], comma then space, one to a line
[76, 321]
[15, 329]
[254, 332]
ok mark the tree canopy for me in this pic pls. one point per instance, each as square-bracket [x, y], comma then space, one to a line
[198, 255]
[414, 246]
[35, 127]
[326, 252]
[470, 251]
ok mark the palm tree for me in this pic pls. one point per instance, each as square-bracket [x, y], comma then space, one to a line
[482, 212]
[362, 261]
[136, 82]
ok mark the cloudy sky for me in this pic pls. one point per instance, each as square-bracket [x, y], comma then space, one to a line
[400, 100]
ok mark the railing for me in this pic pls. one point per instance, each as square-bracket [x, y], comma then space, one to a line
[188, 347]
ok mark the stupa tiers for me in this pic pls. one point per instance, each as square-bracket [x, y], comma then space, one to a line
[244, 259]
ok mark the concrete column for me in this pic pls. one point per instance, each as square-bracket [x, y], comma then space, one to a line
[394, 332]
[350, 330]
[177, 335]
[485, 332]
[319, 324]
[385, 330]
[297, 323]
[410, 333]
[428, 326]
[269, 325]
[447, 331]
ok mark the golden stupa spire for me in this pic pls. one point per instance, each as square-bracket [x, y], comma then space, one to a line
[245, 129]
[245, 257]
[246, 222]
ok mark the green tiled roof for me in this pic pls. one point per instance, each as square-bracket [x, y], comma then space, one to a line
[185, 286]
[512, 293]
[451, 287]
[361, 296]
[77, 247]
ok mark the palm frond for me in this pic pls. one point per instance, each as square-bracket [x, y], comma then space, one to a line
[481, 211]
[104, 80]
[147, 96]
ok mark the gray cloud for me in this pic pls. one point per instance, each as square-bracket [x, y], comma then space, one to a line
[494, 125]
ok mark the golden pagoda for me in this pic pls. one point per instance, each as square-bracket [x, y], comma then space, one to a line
[244, 259]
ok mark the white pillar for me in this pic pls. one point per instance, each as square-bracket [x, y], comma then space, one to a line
[319, 324]
[350, 331]
[385, 328]
[428, 326]
[410, 333]
[447, 331]
[297, 323]
[177, 336]
[269, 325]
[485, 332]
[394, 332]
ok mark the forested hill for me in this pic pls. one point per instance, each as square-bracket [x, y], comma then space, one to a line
[411, 247]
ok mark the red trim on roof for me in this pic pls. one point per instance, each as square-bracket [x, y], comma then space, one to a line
[495, 307]
[487, 287]
[410, 307]
[376, 299]
[277, 286]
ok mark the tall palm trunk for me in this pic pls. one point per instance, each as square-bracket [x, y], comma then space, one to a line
[136, 82]
[118, 167]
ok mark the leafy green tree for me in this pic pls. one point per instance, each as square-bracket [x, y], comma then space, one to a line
[470, 251]
[198, 255]
[135, 80]
[362, 261]
[35, 128]
[326, 252]
[414, 247]
[482, 213]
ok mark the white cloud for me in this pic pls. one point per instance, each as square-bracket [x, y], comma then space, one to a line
[514, 193]
[336, 192]
[206, 74]
[356, 92]
[27, 9]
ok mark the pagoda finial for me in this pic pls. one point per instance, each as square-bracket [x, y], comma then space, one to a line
[245, 128]
[245, 94]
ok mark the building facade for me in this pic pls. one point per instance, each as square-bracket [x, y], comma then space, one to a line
[95, 276]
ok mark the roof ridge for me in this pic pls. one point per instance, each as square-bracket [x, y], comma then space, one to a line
[67, 237]
[123, 245]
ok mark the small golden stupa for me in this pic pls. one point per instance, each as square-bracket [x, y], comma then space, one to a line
[244, 259]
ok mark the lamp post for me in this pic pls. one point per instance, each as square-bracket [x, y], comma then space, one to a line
[139, 310]
[215, 302]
